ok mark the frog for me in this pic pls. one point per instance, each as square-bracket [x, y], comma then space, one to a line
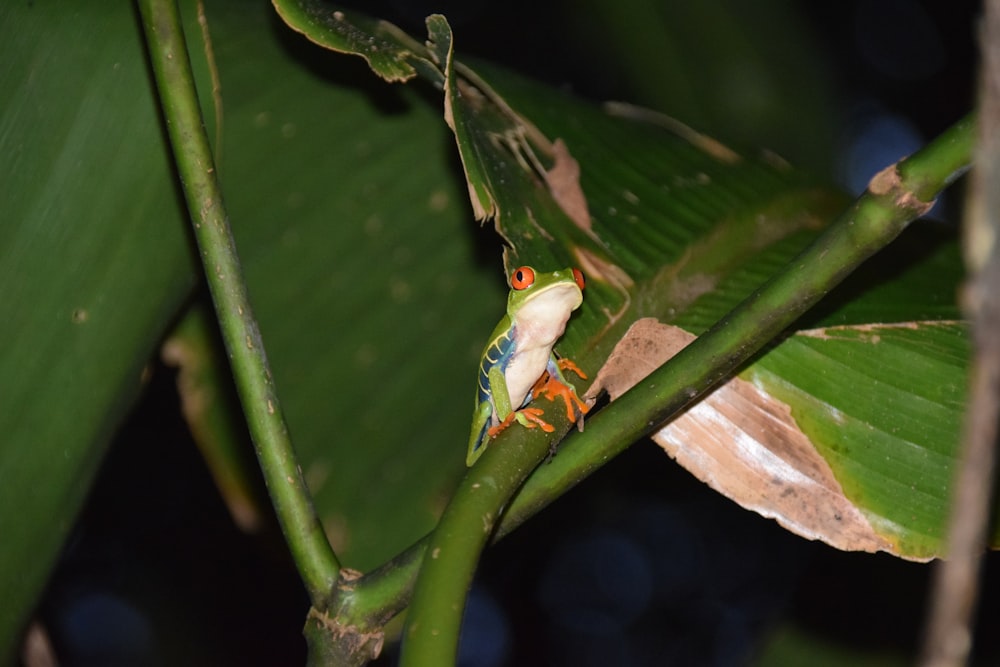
[519, 363]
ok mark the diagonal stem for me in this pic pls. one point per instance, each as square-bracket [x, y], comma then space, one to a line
[316, 561]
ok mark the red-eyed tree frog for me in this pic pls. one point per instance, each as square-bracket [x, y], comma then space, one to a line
[518, 363]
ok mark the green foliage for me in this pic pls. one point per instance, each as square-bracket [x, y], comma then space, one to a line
[94, 265]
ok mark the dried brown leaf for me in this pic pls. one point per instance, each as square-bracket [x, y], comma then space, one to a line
[745, 444]
[563, 180]
[645, 346]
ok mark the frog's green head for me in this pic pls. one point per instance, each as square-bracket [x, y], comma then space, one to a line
[535, 295]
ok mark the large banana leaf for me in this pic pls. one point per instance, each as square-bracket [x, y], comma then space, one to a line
[94, 261]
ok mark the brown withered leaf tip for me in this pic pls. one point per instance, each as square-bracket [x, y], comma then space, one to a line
[746, 445]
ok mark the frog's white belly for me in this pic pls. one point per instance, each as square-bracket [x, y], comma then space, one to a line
[523, 371]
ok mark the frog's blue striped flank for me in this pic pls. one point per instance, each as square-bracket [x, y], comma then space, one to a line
[499, 353]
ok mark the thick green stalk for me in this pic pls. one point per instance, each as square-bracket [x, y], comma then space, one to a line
[168, 55]
[452, 553]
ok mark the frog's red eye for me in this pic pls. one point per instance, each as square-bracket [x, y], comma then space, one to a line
[578, 277]
[522, 278]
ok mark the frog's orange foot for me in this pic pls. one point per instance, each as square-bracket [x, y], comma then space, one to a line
[531, 417]
[567, 365]
[575, 407]
[538, 388]
[527, 417]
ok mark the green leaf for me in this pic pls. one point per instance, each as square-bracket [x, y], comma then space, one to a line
[391, 53]
[334, 222]
[94, 261]
[883, 405]
[360, 258]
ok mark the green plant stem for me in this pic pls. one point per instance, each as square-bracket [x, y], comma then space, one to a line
[168, 55]
[870, 224]
[431, 634]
